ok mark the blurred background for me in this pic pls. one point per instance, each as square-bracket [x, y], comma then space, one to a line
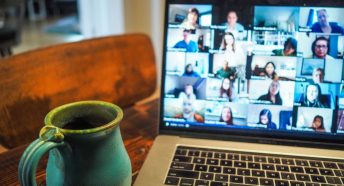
[30, 24]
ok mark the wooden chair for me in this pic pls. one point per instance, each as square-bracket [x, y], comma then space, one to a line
[117, 69]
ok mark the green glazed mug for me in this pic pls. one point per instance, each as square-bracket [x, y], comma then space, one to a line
[85, 147]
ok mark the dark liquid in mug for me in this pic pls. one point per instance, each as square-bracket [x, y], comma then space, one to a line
[86, 122]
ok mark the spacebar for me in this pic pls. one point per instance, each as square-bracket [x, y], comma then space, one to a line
[183, 173]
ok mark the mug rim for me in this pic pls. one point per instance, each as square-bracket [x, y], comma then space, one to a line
[111, 124]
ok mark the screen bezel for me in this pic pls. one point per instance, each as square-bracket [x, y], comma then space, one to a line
[308, 139]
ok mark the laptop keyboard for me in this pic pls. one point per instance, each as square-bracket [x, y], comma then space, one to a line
[212, 167]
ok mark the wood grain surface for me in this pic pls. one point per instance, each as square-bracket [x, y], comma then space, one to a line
[138, 129]
[117, 69]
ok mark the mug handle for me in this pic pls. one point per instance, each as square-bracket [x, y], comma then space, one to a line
[49, 137]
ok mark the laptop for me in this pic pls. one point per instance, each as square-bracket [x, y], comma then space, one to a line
[252, 94]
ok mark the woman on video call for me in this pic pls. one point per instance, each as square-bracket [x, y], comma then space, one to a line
[312, 97]
[273, 95]
[265, 118]
[318, 124]
[189, 72]
[269, 71]
[226, 89]
[233, 53]
[227, 115]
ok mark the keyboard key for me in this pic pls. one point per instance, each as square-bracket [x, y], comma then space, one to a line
[215, 169]
[207, 176]
[207, 154]
[246, 158]
[236, 179]
[268, 167]
[193, 153]
[251, 180]
[181, 152]
[330, 165]
[301, 162]
[202, 183]
[212, 162]
[182, 159]
[240, 164]
[342, 180]
[214, 183]
[287, 176]
[297, 183]
[253, 165]
[243, 172]
[312, 184]
[311, 170]
[271, 174]
[229, 170]
[281, 183]
[283, 168]
[221, 177]
[186, 182]
[201, 167]
[288, 161]
[341, 166]
[326, 172]
[260, 159]
[199, 160]
[220, 155]
[227, 163]
[338, 173]
[171, 181]
[258, 173]
[274, 160]
[296, 169]
[333, 180]
[267, 182]
[183, 173]
[232, 156]
[315, 164]
[303, 177]
[319, 179]
[182, 166]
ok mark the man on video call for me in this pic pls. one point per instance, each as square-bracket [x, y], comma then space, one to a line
[186, 43]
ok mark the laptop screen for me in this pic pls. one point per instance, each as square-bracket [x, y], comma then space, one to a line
[254, 69]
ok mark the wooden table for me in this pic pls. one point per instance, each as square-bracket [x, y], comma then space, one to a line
[138, 129]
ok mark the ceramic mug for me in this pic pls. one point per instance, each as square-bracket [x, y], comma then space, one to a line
[85, 147]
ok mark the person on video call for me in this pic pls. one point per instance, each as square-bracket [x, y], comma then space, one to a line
[187, 43]
[318, 75]
[318, 124]
[189, 113]
[265, 118]
[324, 26]
[269, 71]
[232, 24]
[341, 120]
[225, 71]
[312, 97]
[273, 95]
[320, 48]
[233, 53]
[188, 93]
[227, 115]
[191, 21]
[189, 72]
[226, 89]
[290, 48]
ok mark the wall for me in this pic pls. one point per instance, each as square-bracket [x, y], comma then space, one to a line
[147, 16]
